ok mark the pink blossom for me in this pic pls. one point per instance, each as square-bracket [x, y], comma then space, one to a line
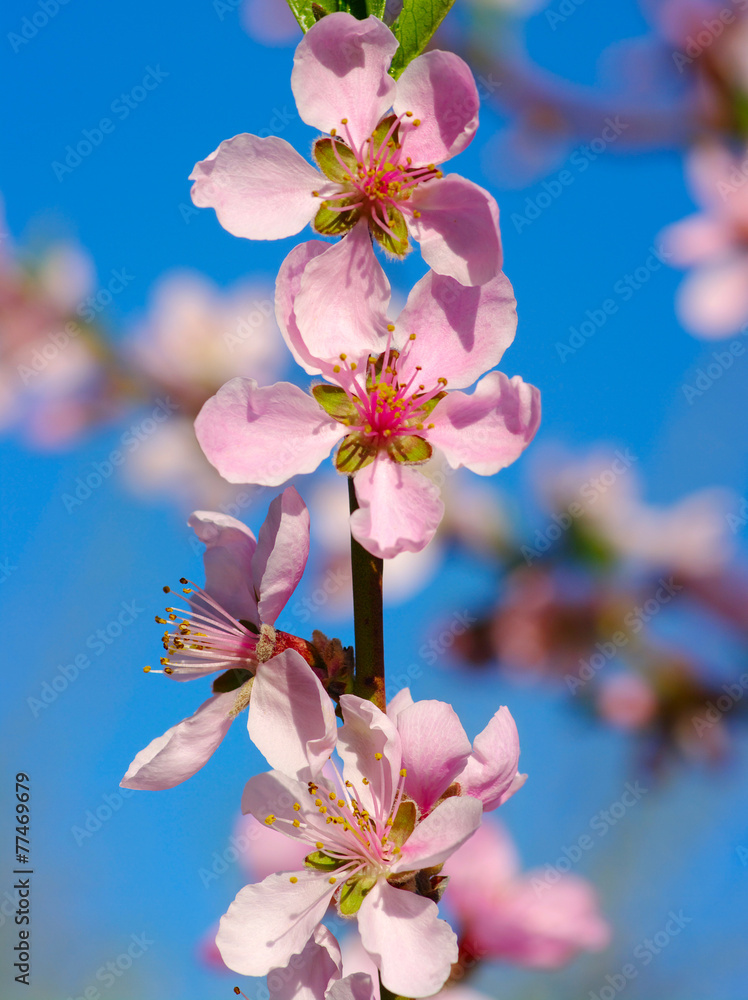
[269, 22]
[411, 792]
[713, 299]
[377, 166]
[385, 401]
[520, 918]
[228, 626]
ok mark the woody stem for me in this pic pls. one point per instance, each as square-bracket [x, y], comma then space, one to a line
[368, 624]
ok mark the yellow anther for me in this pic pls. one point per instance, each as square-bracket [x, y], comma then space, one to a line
[331, 796]
[183, 579]
[336, 368]
[332, 880]
[297, 806]
[377, 756]
[343, 357]
[318, 802]
[341, 803]
[416, 214]
[416, 122]
[146, 670]
[168, 670]
[366, 782]
[412, 337]
[296, 823]
[323, 809]
[293, 879]
[408, 114]
[167, 590]
[343, 121]
[315, 194]
[333, 131]
[390, 327]
[270, 819]
[429, 427]
[353, 365]
[319, 845]
[403, 772]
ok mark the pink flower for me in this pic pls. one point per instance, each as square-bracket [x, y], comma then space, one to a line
[386, 401]
[228, 626]
[713, 300]
[376, 166]
[411, 792]
[505, 915]
[627, 701]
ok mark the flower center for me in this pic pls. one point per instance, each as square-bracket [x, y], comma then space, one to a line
[203, 637]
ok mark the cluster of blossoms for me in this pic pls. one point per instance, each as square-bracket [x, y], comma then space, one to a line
[377, 797]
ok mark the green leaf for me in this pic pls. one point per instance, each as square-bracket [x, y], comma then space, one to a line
[331, 223]
[417, 22]
[230, 680]
[322, 862]
[356, 451]
[398, 243]
[307, 13]
[336, 402]
[324, 153]
[353, 893]
[409, 448]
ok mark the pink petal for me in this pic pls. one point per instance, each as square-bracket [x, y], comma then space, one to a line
[287, 287]
[367, 731]
[458, 229]
[260, 188]
[491, 771]
[712, 302]
[435, 750]
[491, 428]
[282, 552]
[269, 923]
[402, 700]
[310, 974]
[695, 240]
[439, 89]
[274, 793]
[439, 835]
[473, 325]
[412, 947]
[264, 434]
[340, 71]
[357, 986]
[182, 750]
[229, 547]
[291, 718]
[341, 304]
[399, 508]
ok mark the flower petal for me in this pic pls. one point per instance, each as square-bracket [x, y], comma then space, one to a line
[182, 750]
[491, 771]
[264, 434]
[712, 301]
[229, 547]
[282, 552]
[340, 71]
[291, 719]
[412, 947]
[260, 188]
[287, 286]
[439, 89]
[341, 304]
[357, 986]
[399, 509]
[439, 835]
[402, 700]
[269, 923]
[435, 750]
[473, 325]
[367, 731]
[491, 428]
[458, 229]
[274, 793]
[310, 974]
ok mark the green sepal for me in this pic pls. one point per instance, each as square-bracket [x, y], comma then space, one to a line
[404, 823]
[429, 405]
[336, 402]
[308, 12]
[380, 132]
[413, 28]
[330, 223]
[409, 448]
[325, 158]
[397, 244]
[356, 451]
[353, 893]
[230, 680]
[322, 862]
